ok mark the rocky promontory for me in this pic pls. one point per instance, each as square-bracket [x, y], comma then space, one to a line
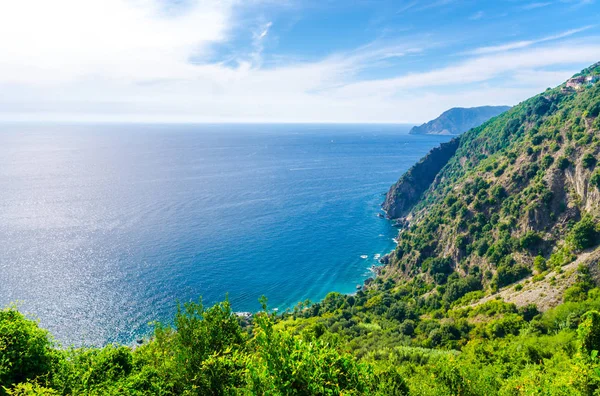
[458, 120]
[407, 191]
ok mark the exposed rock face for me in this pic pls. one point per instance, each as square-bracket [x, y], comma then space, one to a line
[407, 191]
[546, 294]
[458, 120]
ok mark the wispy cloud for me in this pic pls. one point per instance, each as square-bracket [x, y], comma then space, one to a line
[55, 66]
[478, 15]
[435, 4]
[578, 3]
[527, 43]
[265, 30]
[532, 6]
[258, 37]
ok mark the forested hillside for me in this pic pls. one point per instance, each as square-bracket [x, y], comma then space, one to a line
[492, 290]
[520, 189]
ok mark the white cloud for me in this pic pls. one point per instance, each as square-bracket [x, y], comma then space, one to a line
[128, 60]
[62, 40]
[265, 30]
[527, 43]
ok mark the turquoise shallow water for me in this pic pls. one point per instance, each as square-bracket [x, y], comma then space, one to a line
[104, 227]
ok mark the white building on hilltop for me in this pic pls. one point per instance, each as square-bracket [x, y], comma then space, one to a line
[592, 79]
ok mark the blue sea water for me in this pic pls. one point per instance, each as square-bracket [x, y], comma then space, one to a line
[103, 228]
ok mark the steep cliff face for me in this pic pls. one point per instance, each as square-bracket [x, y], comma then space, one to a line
[458, 120]
[407, 191]
[523, 186]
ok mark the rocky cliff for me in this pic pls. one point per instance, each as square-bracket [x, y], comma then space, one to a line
[407, 191]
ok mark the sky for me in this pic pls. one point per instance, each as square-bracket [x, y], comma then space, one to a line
[307, 61]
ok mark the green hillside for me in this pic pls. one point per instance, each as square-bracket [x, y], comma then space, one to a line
[520, 188]
[492, 290]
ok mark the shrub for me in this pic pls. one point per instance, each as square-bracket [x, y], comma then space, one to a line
[577, 292]
[510, 274]
[539, 264]
[589, 332]
[407, 327]
[588, 161]
[458, 288]
[547, 160]
[584, 234]
[563, 163]
[595, 179]
[560, 257]
[594, 109]
[498, 192]
[397, 311]
[25, 350]
[530, 240]
[284, 364]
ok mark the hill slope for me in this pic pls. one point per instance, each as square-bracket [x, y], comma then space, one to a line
[458, 120]
[517, 187]
[494, 283]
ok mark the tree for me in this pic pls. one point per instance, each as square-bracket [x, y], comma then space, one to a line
[285, 364]
[201, 343]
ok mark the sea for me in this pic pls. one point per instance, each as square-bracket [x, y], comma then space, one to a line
[104, 228]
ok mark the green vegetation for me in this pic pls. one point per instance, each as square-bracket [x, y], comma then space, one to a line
[207, 352]
[584, 234]
[514, 200]
[343, 345]
[509, 197]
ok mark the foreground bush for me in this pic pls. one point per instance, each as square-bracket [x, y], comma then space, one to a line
[206, 352]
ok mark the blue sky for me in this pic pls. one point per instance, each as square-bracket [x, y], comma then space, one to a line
[284, 61]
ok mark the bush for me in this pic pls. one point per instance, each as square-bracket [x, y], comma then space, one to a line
[510, 274]
[547, 160]
[201, 335]
[584, 234]
[458, 288]
[560, 257]
[407, 327]
[588, 161]
[397, 311]
[577, 292]
[589, 332]
[25, 350]
[595, 179]
[284, 364]
[539, 264]
[530, 240]
[594, 109]
[563, 163]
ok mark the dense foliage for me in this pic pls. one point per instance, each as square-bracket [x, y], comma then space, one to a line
[523, 185]
[207, 352]
[349, 348]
